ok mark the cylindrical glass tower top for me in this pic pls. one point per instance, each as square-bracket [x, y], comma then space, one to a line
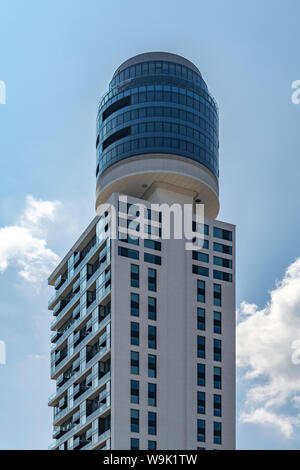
[157, 103]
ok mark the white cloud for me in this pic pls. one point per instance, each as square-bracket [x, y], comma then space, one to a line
[265, 341]
[24, 245]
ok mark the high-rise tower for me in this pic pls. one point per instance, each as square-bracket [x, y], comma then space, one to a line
[144, 329]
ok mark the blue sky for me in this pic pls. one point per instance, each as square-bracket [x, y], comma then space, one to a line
[56, 58]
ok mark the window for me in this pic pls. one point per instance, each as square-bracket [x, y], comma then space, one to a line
[152, 366]
[151, 394]
[217, 323]
[152, 279]
[224, 262]
[134, 391]
[134, 333]
[152, 337]
[199, 256]
[134, 305]
[201, 403]
[201, 430]
[217, 433]
[152, 215]
[201, 243]
[218, 378]
[154, 259]
[152, 230]
[217, 350]
[221, 233]
[200, 270]
[116, 136]
[151, 308]
[134, 275]
[123, 237]
[201, 375]
[130, 224]
[222, 276]
[201, 347]
[134, 444]
[128, 253]
[152, 244]
[201, 318]
[218, 405]
[200, 228]
[134, 421]
[151, 423]
[217, 295]
[151, 445]
[115, 106]
[134, 362]
[227, 249]
[201, 291]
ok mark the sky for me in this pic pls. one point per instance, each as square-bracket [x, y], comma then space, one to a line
[56, 59]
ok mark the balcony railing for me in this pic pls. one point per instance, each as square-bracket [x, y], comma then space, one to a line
[76, 375]
[84, 260]
[82, 397]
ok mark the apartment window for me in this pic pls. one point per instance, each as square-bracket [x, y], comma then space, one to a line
[201, 430]
[151, 445]
[134, 421]
[201, 291]
[201, 347]
[221, 276]
[200, 270]
[153, 215]
[134, 362]
[152, 365]
[134, 391]
[130, 225]
[227, 249]
[199, 256]
[154, 259]
[218, 405]
[134, 333]
[134, 305]
[201, 319]
[128, 252]
[152, 230]
[222, 233]
[152, 279]
[200, 228]
[224, 262]
[217, 295]
[152, 244]
[151, 394]
[134, 444]
[152, 337]
[201, 375]
[201, 403]
[151, 308]
[201, 243]
[125, 238]
[151, 423]
[217, 433]
[217, 350]
[217, 322]
[218, 378]
[134, 275]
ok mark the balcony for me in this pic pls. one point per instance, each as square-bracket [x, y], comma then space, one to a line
[101, 381]
[60, 280]
[79, 260]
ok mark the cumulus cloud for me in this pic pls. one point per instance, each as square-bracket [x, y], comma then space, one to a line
[268, 352]
[24, 244]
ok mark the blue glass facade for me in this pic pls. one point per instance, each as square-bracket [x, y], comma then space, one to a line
[157, 107]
